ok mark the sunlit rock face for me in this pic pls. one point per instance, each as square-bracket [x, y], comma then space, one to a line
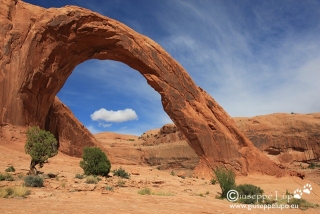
[41, 47]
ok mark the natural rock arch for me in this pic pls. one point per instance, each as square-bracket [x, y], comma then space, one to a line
[42, 47]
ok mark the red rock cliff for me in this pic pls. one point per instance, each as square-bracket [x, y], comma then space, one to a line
[284, 137]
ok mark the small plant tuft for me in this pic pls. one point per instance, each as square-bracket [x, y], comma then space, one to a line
[6, 177]
[17, 191]
[121, 173]
[92, 180]
[302, 203]
[10, 169]
[172, 173]
[33, 181]
[121, 183]
[79, 176]
[109, 188]
[145, 191]
[213, 181]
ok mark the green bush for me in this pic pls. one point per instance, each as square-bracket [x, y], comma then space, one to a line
[246, 191]
[6, 177]
[33, 181]
[121, 173]
[95, 162]
[10, 169]
[226, 179]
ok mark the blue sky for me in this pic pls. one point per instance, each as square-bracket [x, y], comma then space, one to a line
[253, 57]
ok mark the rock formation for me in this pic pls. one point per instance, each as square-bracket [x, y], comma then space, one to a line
[167, 134]
[41, 47]
[285, 138]
[70, 133]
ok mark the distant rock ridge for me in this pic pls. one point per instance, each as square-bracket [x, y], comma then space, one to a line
[284, 138]
[41, 47]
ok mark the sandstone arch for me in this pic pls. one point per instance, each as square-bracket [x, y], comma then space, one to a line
[42, 47]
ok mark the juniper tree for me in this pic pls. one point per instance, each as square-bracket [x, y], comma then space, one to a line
[40, 145]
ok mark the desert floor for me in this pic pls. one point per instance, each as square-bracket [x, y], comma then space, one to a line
[172, 194]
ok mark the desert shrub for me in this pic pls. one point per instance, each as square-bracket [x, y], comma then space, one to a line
[121, 173]
[2, 177]
[313, 165]
[162, 193]
[10, 169]
[91, 180]
[226, 179]
[145, 191]
[40, 145]
[213, 181]
[95, 162]
[109, 188]
[17, 191]
[6, 192]
[33, 181]
[302, 203]
[79, 176]
[20, 191]
[121, 183]
[246, 191]
[6, 177]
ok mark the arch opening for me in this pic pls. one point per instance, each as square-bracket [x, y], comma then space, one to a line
[109, 88]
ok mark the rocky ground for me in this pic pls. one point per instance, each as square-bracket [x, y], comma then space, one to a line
[171, 193]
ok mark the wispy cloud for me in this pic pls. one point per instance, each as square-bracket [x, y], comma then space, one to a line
[252, 64]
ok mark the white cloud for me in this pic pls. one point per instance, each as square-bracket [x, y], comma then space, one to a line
[114, 116]
[104, 125]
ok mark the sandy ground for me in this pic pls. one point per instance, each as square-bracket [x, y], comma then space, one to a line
[65, 194]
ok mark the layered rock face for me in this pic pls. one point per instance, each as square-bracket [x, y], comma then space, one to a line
[167, 134]
[70, 133]
[41, 47]
[285, 138]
